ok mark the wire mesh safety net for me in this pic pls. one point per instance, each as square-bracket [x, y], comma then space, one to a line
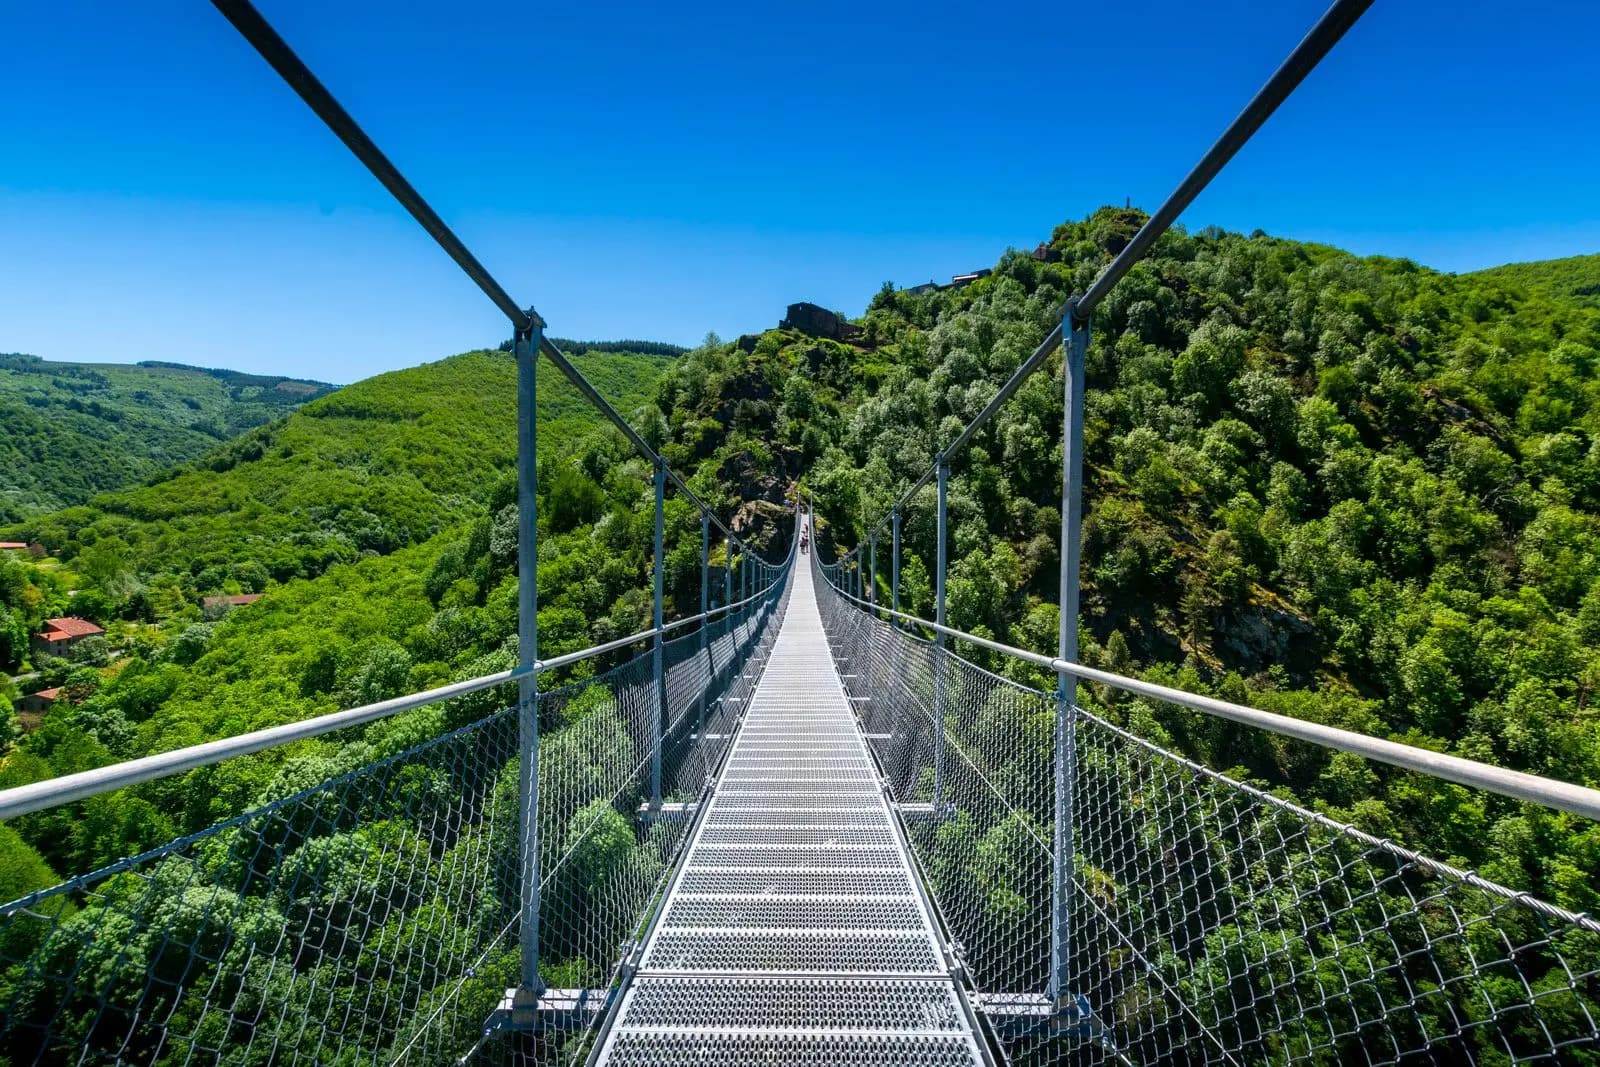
[1209, 921]
[373, 918]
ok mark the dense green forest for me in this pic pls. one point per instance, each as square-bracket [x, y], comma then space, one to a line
[1574, 280]
[1352, 490]
[576, 348]
[76, 429]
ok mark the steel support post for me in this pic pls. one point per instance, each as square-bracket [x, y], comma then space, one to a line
[705, 626]
[705, 569]
[943, 536]
[526, 350]
[655, 657]
[872, 569]
[894, 562]
[1077, 343]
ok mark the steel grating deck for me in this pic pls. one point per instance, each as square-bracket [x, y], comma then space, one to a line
[795, 932]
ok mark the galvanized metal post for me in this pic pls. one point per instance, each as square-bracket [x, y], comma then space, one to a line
[705, 625]
[939, 641]
[1077, 342]
[872, 550]
[526, 352]
[704, 571]
[894, 565]
[655, 658]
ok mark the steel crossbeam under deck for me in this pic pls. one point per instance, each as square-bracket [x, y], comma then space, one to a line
[795, 930]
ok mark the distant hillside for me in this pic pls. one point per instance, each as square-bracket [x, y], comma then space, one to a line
[648, 348]
[1575, 280]
[379, 523]
[376, 466]
[76, 429]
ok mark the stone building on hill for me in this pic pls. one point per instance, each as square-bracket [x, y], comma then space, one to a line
[59, 635]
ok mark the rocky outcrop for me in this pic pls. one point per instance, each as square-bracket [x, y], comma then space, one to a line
[1263, 636]
[817, 321]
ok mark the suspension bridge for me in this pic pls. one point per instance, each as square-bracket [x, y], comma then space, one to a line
[798, 827]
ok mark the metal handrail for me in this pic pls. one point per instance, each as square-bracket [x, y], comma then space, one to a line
[53, 792]
[1518, 785]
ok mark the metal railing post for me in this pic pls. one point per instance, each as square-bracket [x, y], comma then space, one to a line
[872, 556]
[894, 564]
[705, 630]
[939, 639]
[655, 658]
[526, 352]
[1077, 343]
[705, 567]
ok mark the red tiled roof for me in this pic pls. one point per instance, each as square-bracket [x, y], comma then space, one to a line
[12, 544]
[49, 694]
[70, 626]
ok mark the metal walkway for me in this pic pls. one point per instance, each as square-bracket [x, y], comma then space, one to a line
[795, 931]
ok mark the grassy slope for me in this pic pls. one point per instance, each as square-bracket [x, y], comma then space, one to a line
[76, 429]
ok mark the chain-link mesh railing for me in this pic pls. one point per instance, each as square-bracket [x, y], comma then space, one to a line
[1209, 921]
[373, 918]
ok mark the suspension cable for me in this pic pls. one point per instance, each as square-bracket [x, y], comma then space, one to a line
[255, 29]
[1311, 50]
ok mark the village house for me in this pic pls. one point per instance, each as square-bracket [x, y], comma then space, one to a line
[38, 703]
[59, 635]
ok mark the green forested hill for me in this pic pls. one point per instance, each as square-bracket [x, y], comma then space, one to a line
[381, 464]
[380, 523]
[1574, 280]
[1354, 490]
[75, 429]
[1351, 490]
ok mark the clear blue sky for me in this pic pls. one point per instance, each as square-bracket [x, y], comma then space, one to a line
[660, 170]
